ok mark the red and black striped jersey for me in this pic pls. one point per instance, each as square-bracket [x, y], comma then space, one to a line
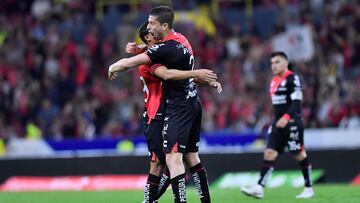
[152, 87]
[286, 95]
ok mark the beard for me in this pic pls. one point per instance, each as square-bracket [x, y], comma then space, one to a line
[157, 35]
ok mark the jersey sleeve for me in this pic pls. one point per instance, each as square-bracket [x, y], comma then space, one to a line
[296, 96]
[295, 88]
[157, 52]
[154, 67]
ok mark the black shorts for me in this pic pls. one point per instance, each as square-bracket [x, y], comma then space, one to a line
[182, 125]
[153, 134]
[290, 137]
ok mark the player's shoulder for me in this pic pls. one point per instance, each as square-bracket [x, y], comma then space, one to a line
[180, 36]
[293, 76]
[157, 47]
[294, 80]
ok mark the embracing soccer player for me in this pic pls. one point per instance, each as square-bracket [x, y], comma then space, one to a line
[183, 111]
[153, 117]
[287, 130]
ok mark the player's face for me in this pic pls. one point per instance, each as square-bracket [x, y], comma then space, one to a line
[150, 40]
[278, 65]
[155, 27]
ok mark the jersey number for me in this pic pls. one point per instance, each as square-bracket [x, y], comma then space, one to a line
[192, 91]
[145, 89]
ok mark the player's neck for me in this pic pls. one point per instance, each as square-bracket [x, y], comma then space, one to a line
[167, 33]
[282, 73]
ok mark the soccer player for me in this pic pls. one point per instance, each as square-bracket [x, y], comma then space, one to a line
[288, 129]
[183, 112]
[153, 117]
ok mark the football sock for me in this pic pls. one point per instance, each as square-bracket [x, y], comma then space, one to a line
[179, 188]
[151, 188]
[164, 183]
[266, 170]
[306, 171]
[199, 176]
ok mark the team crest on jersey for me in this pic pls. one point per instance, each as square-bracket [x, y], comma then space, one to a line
[283, 83]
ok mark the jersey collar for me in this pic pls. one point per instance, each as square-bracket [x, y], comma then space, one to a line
[287, 73]
[171, 36]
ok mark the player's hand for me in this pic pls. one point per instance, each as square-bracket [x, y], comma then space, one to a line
[205, 75]
[131, 48]
[112, 73]
[217, 85]
[282, 122]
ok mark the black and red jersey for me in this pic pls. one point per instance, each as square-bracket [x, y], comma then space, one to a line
[175, 52]
[152, 87]
[286, 95]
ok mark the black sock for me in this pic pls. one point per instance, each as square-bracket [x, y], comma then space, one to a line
[266, 170]
[306, 171]
[164, 183]
[179, 188]
[151, 188]
[199, 176]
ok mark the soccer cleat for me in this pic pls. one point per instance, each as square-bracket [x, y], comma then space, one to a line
[308, 192]
[256, 191]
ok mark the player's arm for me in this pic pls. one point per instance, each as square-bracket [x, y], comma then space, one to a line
[175, 74]
[215, 84]
[127, 63]
[296, 97]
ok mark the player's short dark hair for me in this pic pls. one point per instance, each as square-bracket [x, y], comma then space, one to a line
[291, 66]
[164, 14]
[143, 31]
[279, 53]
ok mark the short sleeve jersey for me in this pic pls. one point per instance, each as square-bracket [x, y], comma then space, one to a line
[175, 52]
[283, 91]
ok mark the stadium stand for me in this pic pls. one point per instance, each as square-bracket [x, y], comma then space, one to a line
[54, 57]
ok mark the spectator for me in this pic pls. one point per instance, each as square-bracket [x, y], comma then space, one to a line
[53, 58]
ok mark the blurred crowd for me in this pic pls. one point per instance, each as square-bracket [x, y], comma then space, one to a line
[54, 57]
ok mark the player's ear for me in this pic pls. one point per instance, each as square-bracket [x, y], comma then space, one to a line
[165, 26]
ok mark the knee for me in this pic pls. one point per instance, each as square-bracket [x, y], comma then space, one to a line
[270, 154]
[300, 156]
[173, 160]
[191, 159]
[156, 167]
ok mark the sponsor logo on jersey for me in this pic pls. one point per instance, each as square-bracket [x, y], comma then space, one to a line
[294, 135]
[165, 128]
[293, 146]
[278, 99]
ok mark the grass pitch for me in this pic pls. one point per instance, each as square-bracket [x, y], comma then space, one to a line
[338, 193]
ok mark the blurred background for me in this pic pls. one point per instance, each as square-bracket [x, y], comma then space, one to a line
[56, 102]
